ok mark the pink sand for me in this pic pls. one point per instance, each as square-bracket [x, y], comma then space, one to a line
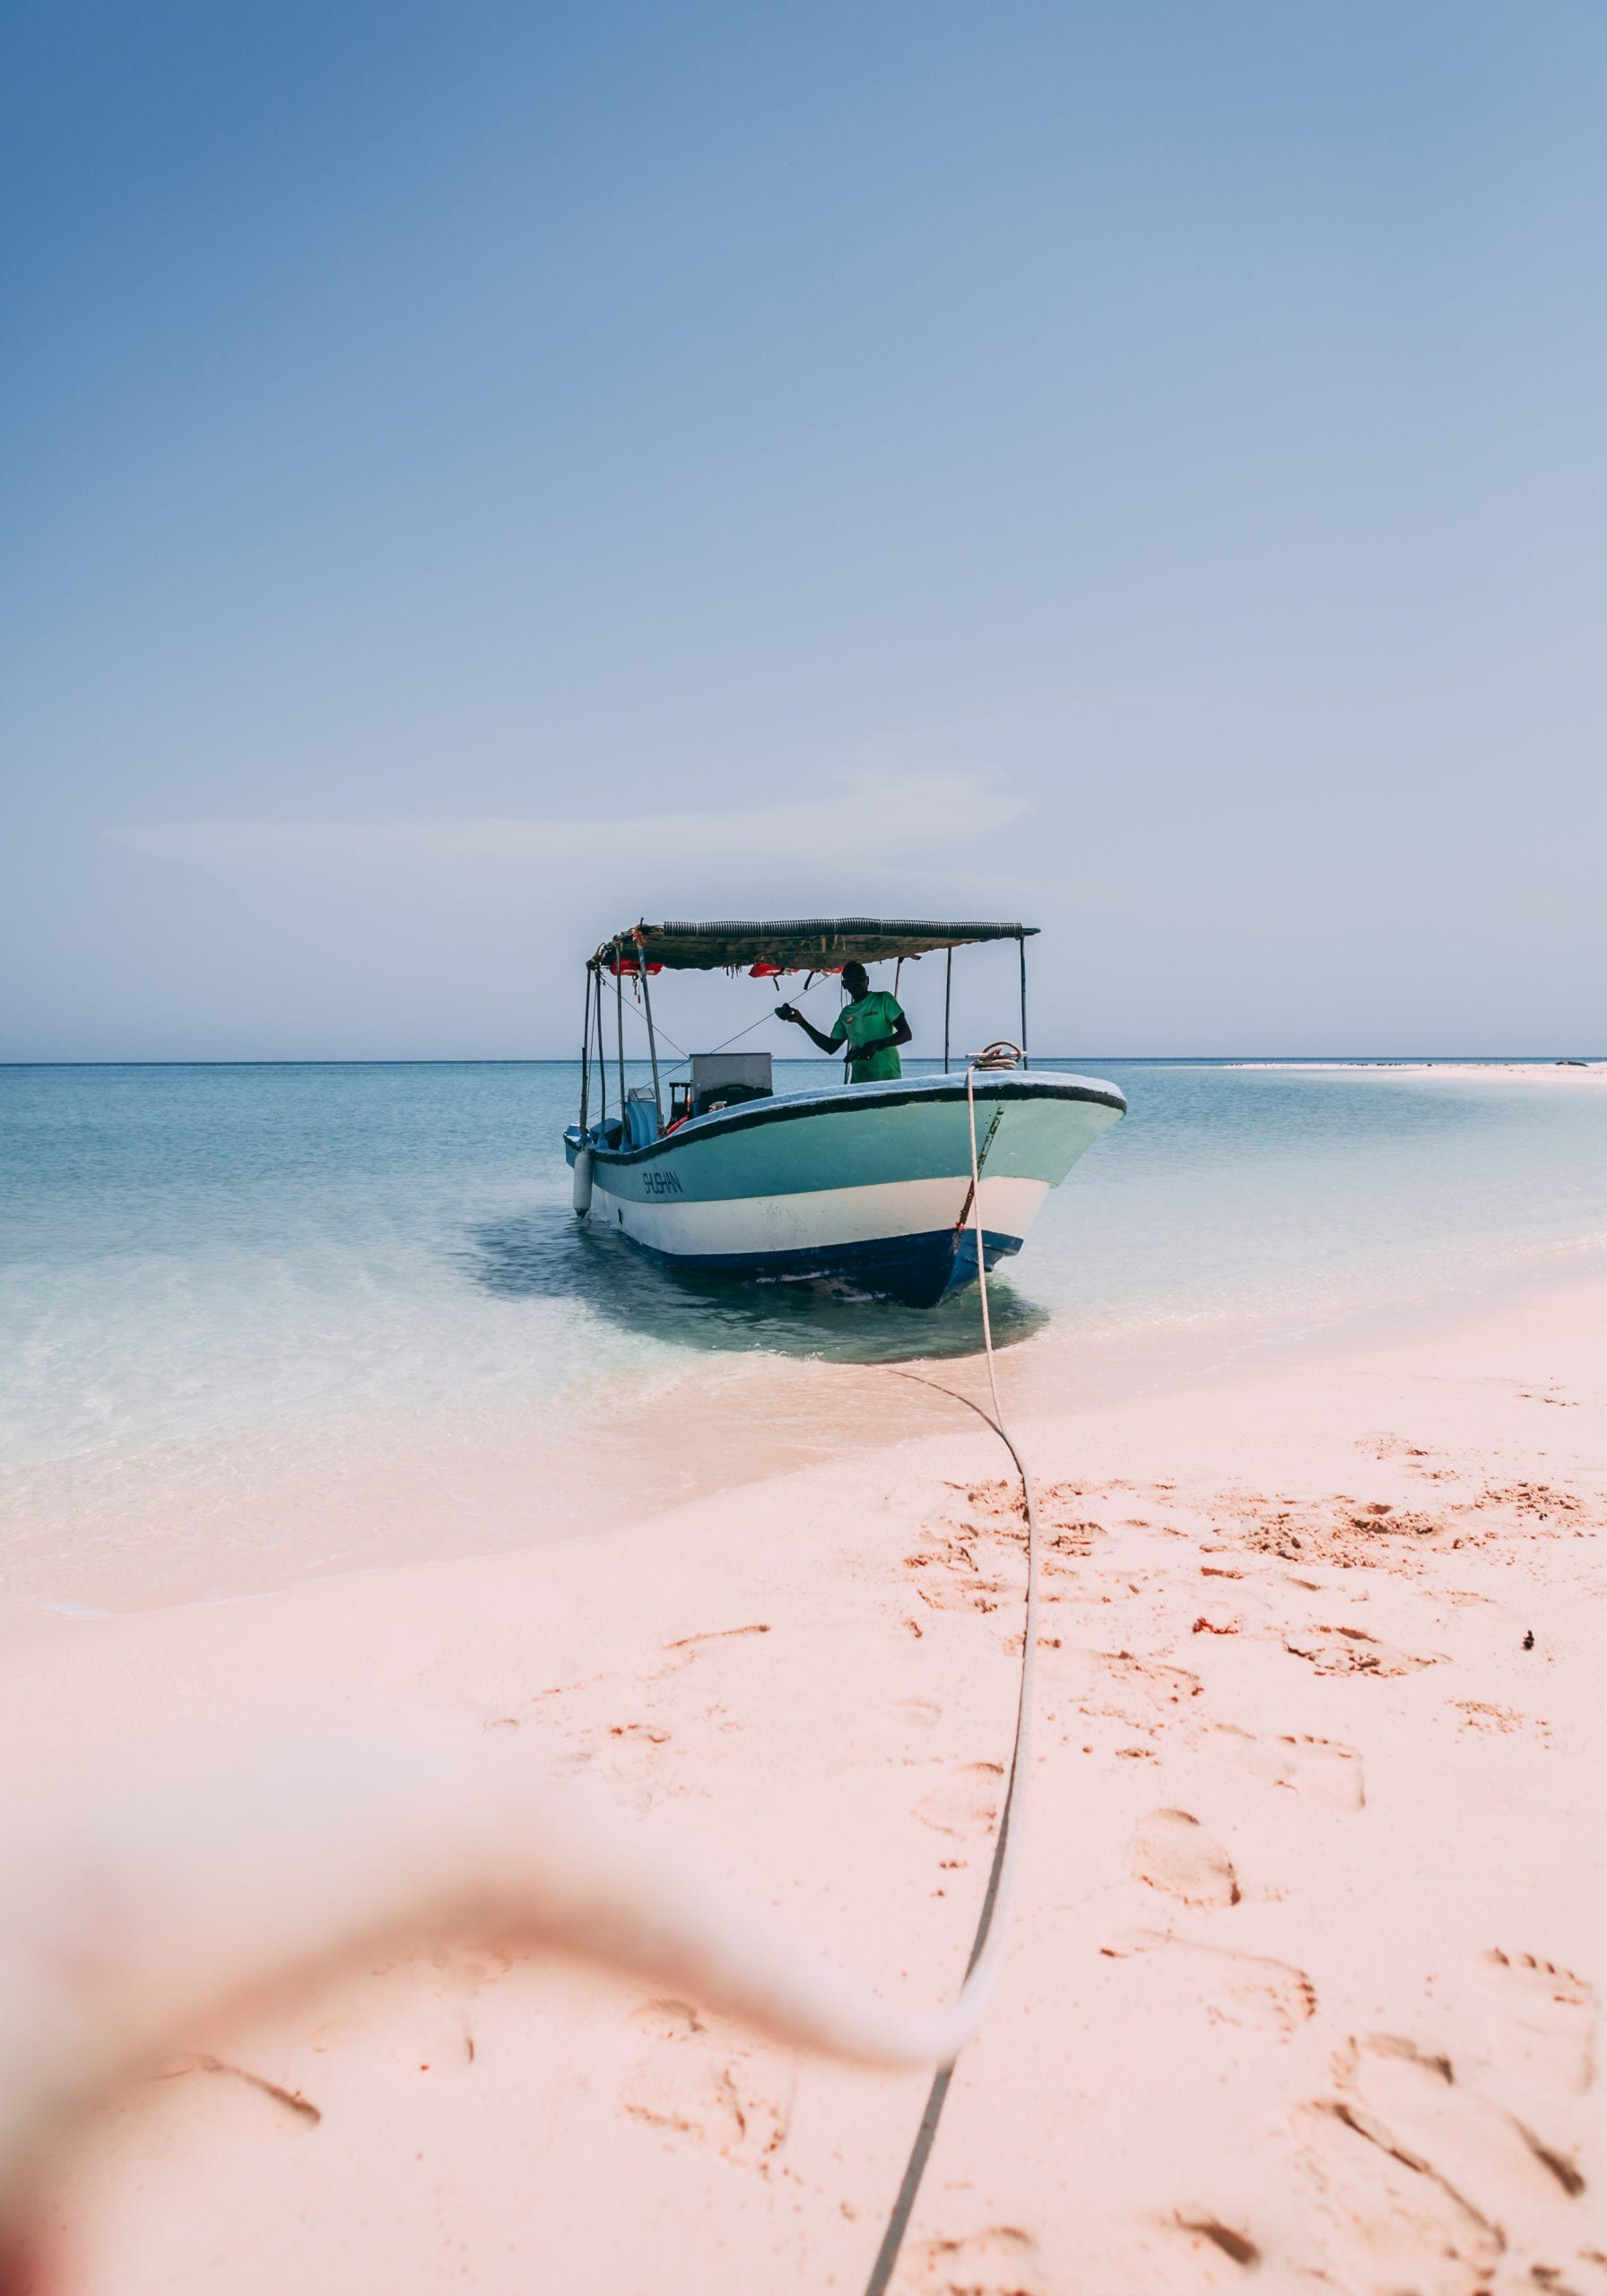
[1302, 1991]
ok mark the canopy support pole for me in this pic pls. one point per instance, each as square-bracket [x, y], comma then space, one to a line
[602, 1046]
[619, 1013]
[651, 1039]
[585, 1051]
[947, 987]
[1021, 946]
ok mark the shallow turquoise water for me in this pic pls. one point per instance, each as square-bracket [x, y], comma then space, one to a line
[187, 1246]
[201, 1254]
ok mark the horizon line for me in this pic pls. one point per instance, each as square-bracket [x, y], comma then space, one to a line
[572, 1060]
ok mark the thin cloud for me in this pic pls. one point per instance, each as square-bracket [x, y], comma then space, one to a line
[904, 813]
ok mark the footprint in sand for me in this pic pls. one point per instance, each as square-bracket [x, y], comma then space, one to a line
[1412, 2106]
[1142, 1692]
[632, 1757]
[1172, 1851]
[1392, 1447]
[1348, 1650]
[966, 1804]
[948, 1574]
[1001, 2261]
[899, 1731]
[1320, 1771]
[688, 2084]
[1380, 2223]
[1232, 1988]
[1147, 1680]
[1540, 2021]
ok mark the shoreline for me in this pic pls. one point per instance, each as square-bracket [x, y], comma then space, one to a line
[1562, 1070]
[1308, 1824]
[403, 1490]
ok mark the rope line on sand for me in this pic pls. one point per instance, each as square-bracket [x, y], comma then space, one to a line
[982, 1968]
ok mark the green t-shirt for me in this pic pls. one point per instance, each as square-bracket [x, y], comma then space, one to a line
[876, 1014]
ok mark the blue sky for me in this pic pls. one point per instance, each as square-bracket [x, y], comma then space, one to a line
[478, 474]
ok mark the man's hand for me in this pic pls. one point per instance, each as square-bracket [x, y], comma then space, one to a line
[823, 1043]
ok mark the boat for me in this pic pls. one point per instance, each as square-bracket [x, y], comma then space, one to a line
[864, 1188]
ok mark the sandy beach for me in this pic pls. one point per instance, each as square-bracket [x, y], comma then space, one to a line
[1303, 1979]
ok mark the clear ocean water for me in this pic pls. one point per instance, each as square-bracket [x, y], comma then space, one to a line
[245, 1309]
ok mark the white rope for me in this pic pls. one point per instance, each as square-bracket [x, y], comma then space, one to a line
[987, 1945]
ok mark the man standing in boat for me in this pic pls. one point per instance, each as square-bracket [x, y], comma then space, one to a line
[872, 1026]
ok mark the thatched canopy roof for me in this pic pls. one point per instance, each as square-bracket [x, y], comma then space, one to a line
[798, 944]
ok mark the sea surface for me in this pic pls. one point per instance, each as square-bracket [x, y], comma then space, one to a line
[259, 1321]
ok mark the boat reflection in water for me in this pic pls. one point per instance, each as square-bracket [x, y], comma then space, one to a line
[868, 1187]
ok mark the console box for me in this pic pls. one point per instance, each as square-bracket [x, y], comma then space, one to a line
[729, 1077]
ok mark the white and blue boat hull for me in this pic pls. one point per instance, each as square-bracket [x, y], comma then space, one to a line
[864, 1184]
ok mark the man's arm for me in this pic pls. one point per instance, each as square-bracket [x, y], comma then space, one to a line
[901, 1034]
[791, 1013]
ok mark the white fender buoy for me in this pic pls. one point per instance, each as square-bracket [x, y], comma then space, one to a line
[583, 1182]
